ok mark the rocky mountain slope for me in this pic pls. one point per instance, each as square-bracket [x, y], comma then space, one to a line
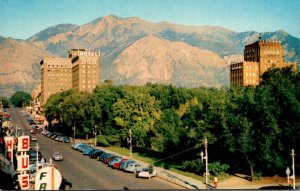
[20, 68]
[135, 51]
[156, 60]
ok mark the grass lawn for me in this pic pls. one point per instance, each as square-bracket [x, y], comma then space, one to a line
[146, 159]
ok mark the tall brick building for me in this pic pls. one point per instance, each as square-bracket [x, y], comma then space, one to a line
[258, 58]
[80, 72]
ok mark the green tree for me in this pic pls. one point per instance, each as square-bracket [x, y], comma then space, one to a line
[137, 111]
[4, 101]
[20, 98]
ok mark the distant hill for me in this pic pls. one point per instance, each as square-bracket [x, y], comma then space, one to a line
[135, 51]
[20, 68]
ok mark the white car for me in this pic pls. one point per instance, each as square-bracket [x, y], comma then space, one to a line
[145, 173]
[57, 156]
[134, 167]
[33, 138]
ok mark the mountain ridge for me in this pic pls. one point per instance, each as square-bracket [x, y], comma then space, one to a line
[115, 37]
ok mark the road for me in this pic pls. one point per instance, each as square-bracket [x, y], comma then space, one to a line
[84, 172]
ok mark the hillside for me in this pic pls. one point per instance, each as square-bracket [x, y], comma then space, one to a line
[20, 68]
[156, 60]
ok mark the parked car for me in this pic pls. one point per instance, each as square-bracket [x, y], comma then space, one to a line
[88, 151]
[96, 153]
[53, 136]
[66, 140]
[101, 157]
[57, 156]
[114, 160]
[61, 138]
[65, 184]
[104, 156]
[32, 167]
[33, 131]
[49, 134]
[82, 147]
[33, 138]
[118, 163]
[147, 173]
[75, 145]
[108, 159]
[134, 167]
[124, 164]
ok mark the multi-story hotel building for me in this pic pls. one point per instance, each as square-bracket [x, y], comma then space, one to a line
[85, 69]
[258, 58]
[80, 72]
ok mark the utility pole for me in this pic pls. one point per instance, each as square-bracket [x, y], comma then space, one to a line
[74, 132]
[130, 141]
[206, 163]
[37, 156]
[95, 135]
[293, 167]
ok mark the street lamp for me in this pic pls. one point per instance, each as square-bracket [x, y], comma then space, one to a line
[206, 161]
[74, 132]
[130, 142]
[95, 133]
[37, 156]
[293, 166]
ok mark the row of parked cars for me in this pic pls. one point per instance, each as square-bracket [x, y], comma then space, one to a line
[56, 136]
[114, 161]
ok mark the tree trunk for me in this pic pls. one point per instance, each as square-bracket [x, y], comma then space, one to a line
[252, 172]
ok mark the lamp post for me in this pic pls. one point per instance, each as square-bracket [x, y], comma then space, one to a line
[74, 129]
[206, 161]
[130, 141]
[293, 167]
[37, 156]
[95, 133]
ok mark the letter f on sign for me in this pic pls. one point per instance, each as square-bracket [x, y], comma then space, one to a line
[43, 174]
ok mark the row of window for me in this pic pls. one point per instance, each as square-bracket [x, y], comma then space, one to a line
[251, 81]
[66, 74]
[59, 65]
[251, 74]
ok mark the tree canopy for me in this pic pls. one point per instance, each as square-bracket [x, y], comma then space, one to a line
[251, 128]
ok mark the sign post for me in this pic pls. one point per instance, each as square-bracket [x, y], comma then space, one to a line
[48, 178]
[23, 162]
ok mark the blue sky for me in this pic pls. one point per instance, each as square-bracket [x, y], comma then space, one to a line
[23, 18]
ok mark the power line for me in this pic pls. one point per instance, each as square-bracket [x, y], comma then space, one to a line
[195, 147]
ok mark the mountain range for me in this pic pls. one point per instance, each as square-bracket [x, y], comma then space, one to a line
[135, 51]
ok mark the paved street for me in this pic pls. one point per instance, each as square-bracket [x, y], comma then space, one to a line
[86, 173]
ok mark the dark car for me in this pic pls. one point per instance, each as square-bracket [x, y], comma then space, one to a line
[66, 140]
[108, 159]
[103, 156]
[65, 184]
[118, 163]
[82, 147]
[88, 151]
[96, 153]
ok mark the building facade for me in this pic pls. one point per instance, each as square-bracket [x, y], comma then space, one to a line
[85, 69]
[258, 58]
[80, 72]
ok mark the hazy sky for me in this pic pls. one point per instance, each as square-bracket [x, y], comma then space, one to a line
[23, 18]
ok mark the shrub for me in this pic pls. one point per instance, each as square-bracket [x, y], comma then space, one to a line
[216, 168]
[101, 140]
[193, 166]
